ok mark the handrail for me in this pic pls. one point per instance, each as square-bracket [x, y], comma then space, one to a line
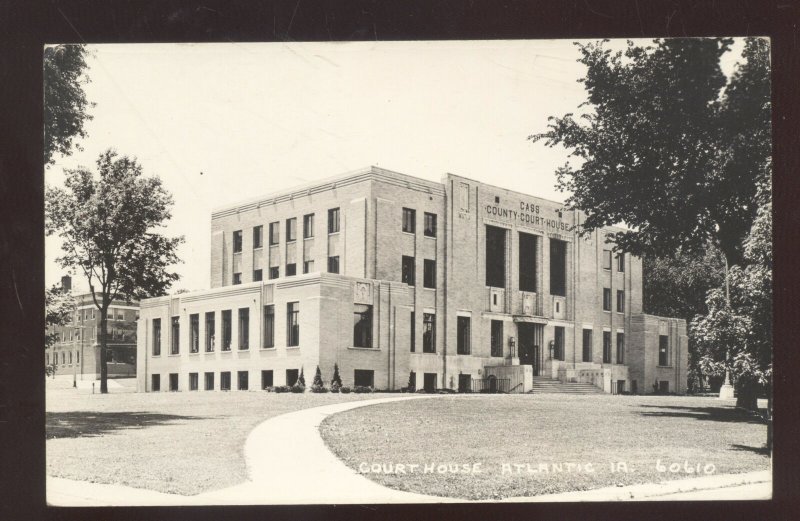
[512, 389]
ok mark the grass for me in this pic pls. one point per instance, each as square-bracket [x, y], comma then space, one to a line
[182, 443]
[544, 429]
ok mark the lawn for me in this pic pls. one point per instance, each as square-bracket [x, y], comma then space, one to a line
[529, 445]
[183, 443]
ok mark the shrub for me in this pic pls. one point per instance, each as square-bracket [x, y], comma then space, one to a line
[336, 381]
[318, 389]
[301, 379]
[281, 388]
[411, 386]
[362, 389]
[344, 390]
[318, 379]
[270, 389]
[420, 391]
[444, 390]
[335, 387]
[298, 388]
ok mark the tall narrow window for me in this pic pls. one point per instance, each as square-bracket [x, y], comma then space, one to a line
[237, 241]
[606, 259]
[428, 332]
[173, 381]
[663, 350]
[606, 299]
[291, 270]
[226, 330]
[308, 226]
[587, 345]
[527, 262]
[429, 382]
[176, 336]
[620, 348]
[413, 332]
[362, 326]
[429, 273]
[606, 347]
[237, 278]
[155, 382]
[291, 376]
[274, 233]
[430, 225]
[620, 301]
[409, 220]
[463, 335]
[408, 270]
[258, 237]
[621, 262]
[209, 381]
[193, 381]
[291, 229]
[558, 267]
[225, 381]
[558, 341]
[274, 272]
[495, 257]
[497, 338]
[156, 337]
[258, 275]
[293, 324]
[333, 220]
[333, 264]
[308, 266]
[269, 326]
[266, 378]
[243, 378]
[244, 328]
[194, 333]
[210, 331]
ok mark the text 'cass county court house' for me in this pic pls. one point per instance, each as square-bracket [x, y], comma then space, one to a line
[394, 277]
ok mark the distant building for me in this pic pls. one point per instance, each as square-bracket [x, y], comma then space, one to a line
[76, 351]
[397, 278]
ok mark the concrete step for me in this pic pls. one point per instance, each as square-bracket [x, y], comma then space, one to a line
[546, 385]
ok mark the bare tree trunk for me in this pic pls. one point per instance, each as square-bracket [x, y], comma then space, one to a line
[103, 343]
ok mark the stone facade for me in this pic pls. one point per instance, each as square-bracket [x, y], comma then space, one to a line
[412, 256]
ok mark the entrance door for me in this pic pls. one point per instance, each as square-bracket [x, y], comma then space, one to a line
[536, 359]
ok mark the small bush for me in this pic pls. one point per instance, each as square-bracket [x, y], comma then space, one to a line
[344, 390]
[270, 389]
[281, 388]
[445, 391]
[335, 387]
[360, 389]
[318, 389]
[420, 391]
[298, 388]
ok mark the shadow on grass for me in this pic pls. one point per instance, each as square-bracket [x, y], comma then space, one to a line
[719, 414]
[761, 451]
[79, 424]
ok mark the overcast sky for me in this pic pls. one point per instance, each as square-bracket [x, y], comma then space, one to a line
[223, 122]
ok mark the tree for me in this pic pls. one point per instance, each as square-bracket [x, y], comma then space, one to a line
[108, 224]
[318, 386]
[65, 103]
[411, 386]
[669, 147]
[59, 306]
[336, 381]
[301, 379]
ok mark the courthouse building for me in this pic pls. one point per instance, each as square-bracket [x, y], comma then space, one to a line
[397, 279]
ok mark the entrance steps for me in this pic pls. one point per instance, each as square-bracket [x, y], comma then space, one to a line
[545, 385]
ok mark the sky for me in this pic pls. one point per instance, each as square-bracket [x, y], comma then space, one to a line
[219, 123]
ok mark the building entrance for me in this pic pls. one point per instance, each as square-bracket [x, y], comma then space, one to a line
[530, 341]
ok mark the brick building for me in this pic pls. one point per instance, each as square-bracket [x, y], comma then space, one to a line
[76, 351]
[393, 278]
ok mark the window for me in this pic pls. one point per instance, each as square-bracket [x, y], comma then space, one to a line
[408, 270]
[428, 332]
[497, 338]
[176, 336]
[258, 237]
[333, 264]
[333, 220]
[266, 379]
[209, 332]
[364, 378]
[429, 380]
[225, 381]
[558, 343]
[70, 357]
[258, 275]
[194, 333]
[620, 348]
[464, 383]
[495, 257]
[291, 376]
[606, 299]
[269, 326]
[527, 262]
[155, 382]
[606, 347]
[430, 225]
[226, 330]
[274, 272]
[274, 233]
[362, 326]
[156, 337]
[77, 357]
[308, 226]
[621, 262]
[409, 218]
[606, 259]
[308, 266]
[463, 335]
[237, 241]
[429, 273]
[558, 268]
[193, 382]
[663, 350]
[620, 301]
[63, 358]
[291, 229]
[243, 380]
[291, 270]
[587, 345]
[173, 381]
[237, 278]
[413, 332]
[209, 381]
[244, 329]
[292, 324]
